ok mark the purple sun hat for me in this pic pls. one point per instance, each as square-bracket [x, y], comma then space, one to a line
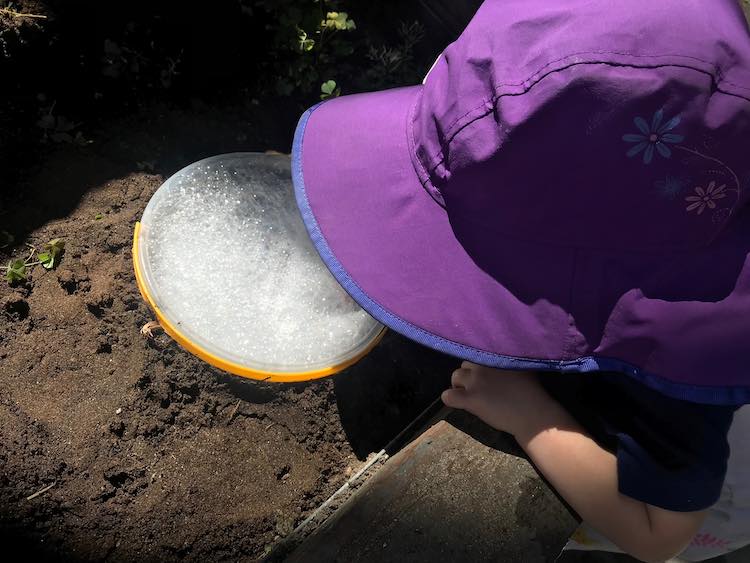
[568, 190]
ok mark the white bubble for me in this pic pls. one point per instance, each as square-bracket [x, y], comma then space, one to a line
[228, 261]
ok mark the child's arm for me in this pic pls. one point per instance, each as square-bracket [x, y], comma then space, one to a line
[586, 477]
[582, 472]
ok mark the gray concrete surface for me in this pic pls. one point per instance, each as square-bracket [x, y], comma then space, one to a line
[459, 492]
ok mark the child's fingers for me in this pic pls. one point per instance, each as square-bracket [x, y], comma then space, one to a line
[460, 378]
[454, 398]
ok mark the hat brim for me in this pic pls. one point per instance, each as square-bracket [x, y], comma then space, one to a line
[394, 249]
[391, 245]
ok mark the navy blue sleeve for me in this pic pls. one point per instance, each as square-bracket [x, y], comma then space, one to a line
[671, 454]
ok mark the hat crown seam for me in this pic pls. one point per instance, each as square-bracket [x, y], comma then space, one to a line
[489, 105]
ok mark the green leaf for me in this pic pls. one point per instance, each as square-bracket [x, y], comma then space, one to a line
[329, 89]
[16, 271]
[55, 246]
[46, 259]
[305, 44]
[54, 250]
[98, 216]
[339, 21]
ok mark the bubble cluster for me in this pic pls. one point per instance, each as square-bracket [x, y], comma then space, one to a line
[229, 262]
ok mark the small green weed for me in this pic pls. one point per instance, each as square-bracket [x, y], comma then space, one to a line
[310, 40]
[17, 269]
[51, 256]
[329, 90]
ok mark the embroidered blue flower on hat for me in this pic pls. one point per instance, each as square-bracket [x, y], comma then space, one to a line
[653, 137]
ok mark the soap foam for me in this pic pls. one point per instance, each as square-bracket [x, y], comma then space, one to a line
[232, 265]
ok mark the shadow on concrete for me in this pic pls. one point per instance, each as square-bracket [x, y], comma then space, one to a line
[383, 393]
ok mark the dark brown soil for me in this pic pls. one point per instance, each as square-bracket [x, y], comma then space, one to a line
[151, 454]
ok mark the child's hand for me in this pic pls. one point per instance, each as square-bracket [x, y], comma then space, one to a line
[506, 400]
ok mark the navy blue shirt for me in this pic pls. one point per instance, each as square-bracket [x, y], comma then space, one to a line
[670, 453]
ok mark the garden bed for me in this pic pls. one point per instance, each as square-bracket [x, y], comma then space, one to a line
[138, 450]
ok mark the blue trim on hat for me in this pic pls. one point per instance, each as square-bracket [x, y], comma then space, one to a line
[694, 393]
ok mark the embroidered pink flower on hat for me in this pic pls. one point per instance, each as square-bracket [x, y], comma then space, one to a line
[705, 197]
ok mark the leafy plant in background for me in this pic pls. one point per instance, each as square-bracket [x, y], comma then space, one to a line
[17, 269]
[310, 42]
[329, 89]
[395, 64]
[121, 61]
[315, 47]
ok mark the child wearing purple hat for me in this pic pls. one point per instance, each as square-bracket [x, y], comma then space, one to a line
[568, 194]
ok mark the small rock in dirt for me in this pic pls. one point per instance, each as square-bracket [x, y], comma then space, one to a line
[118, 411]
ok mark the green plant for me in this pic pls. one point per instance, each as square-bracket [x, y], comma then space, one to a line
[17, 269]
[51, 256]
[329, 89]
[395, 65]
[310, 40]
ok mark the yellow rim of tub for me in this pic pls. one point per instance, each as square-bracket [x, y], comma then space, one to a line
[232, 367]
